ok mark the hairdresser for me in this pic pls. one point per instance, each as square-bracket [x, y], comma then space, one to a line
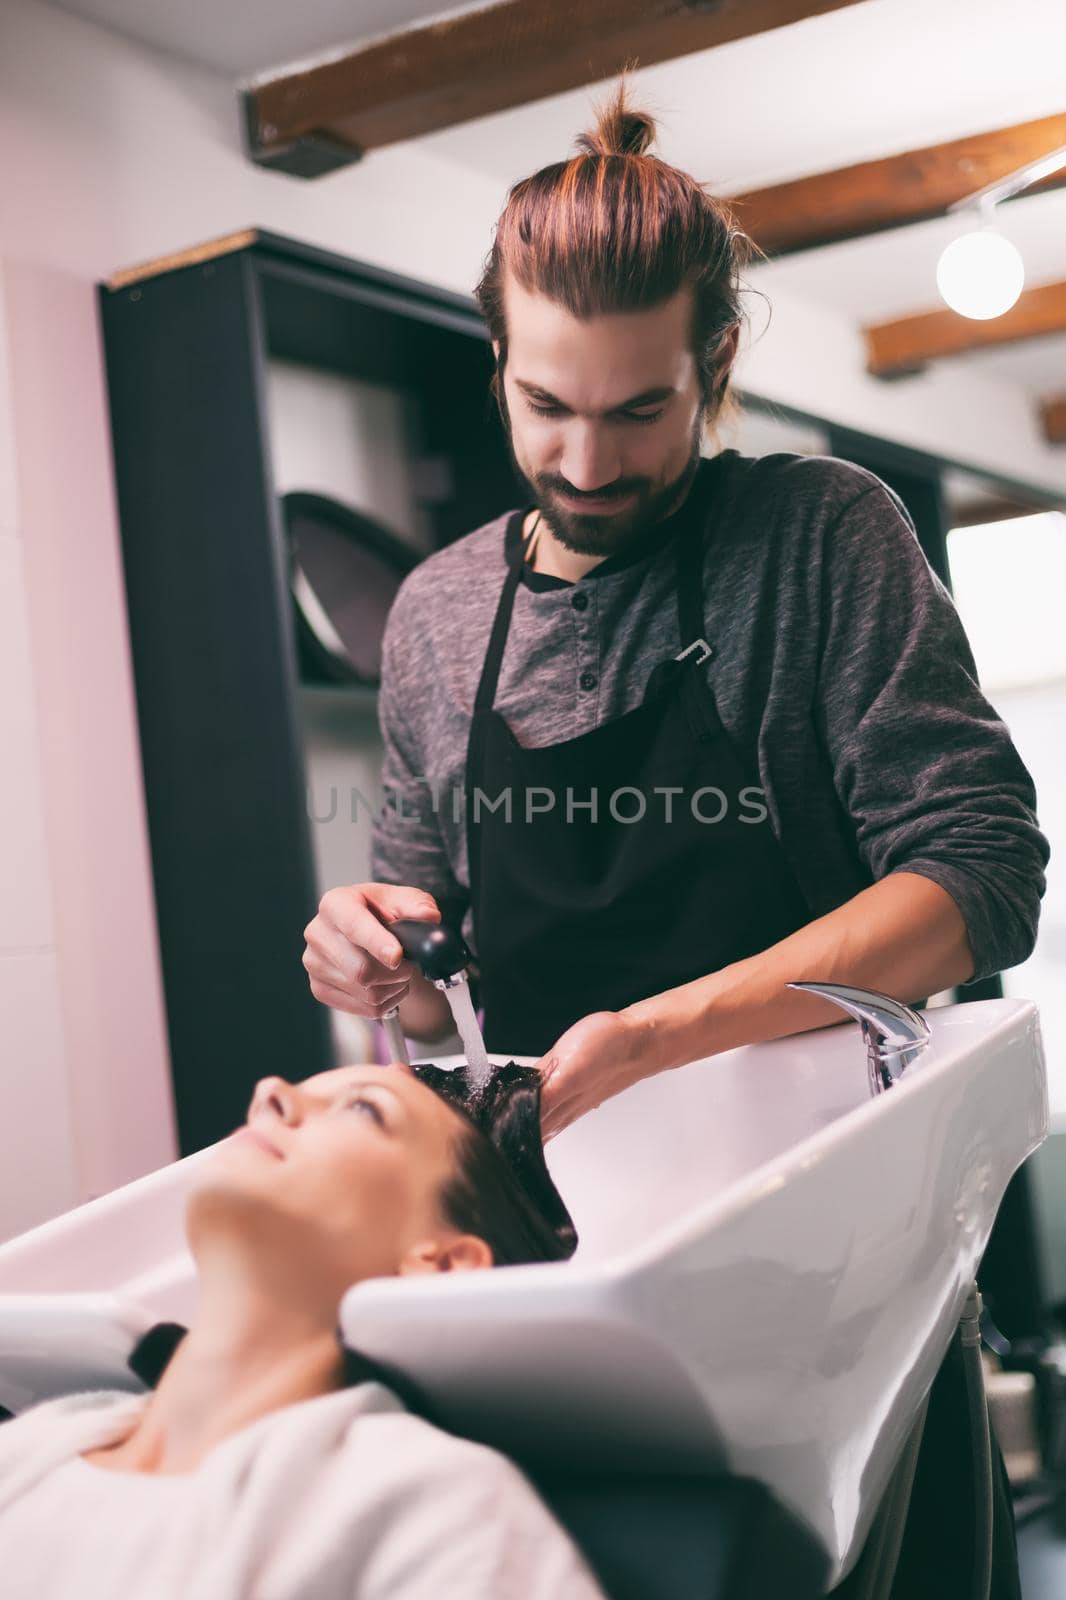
[686, 726]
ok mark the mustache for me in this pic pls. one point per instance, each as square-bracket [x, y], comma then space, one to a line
[596, 499]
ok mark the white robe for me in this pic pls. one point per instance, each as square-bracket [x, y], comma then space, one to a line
[347, 1495]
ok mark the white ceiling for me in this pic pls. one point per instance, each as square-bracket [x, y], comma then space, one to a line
[243, 38]
[871, 80]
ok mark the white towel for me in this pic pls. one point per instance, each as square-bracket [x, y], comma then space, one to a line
[347, 1495]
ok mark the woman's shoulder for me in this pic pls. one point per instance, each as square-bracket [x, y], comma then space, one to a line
[412, 1436]
[74, 1411]
[50, 1432]
[409, 1447]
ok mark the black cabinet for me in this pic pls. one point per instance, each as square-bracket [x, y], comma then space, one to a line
[214, 650]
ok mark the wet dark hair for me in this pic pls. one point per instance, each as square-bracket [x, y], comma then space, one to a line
[502, 1190]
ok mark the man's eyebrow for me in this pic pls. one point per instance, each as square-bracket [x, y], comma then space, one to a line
[643, 399]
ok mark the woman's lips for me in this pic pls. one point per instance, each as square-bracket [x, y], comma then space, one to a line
[261, 1140]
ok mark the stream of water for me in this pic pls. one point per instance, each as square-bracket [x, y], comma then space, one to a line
[473, 1044]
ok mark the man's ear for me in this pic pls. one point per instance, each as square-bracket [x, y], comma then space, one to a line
[729, 348]
[496, 348]
[461, 1252]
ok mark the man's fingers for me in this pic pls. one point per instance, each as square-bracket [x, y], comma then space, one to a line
[331, 956]
[396, 982]
[386, 1000]
[344, 1000]
[354, 964]
[403, 904]
[349, 916]
[362, 911]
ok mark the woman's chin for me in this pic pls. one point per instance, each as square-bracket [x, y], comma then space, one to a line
[235, 1176]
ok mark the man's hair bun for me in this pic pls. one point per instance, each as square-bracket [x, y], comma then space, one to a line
[614, 229]
[619, 131]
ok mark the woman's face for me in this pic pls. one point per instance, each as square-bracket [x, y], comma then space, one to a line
[337, 1179]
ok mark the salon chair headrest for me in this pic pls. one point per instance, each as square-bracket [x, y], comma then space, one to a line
[56, 1344]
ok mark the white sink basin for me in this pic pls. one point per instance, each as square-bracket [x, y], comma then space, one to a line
[770, 1268]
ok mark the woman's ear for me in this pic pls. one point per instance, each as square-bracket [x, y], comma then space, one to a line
[461, 1252]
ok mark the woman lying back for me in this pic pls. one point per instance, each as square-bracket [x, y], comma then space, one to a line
[256, 1467]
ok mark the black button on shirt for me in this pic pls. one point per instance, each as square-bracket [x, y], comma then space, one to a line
[580, 601]
[588, 680]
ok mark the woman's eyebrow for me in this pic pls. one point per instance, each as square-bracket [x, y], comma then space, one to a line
[351, 1084]
[328, 1093]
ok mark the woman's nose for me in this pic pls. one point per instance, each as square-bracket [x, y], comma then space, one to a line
[275, 1097]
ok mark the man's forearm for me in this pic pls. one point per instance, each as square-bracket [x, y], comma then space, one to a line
[904, 936]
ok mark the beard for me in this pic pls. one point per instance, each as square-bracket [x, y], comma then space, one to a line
[606, 533]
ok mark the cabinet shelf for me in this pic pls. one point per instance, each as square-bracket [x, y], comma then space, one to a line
[355, 697]
[223, 715]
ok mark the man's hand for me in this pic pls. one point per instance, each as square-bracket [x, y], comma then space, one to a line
[353, 962]
[596, 1058]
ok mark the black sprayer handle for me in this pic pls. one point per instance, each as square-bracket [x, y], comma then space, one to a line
[439, 951]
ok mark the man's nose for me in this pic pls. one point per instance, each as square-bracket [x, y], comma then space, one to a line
[591, 463]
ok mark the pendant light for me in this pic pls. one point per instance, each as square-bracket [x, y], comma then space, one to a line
[981, 273]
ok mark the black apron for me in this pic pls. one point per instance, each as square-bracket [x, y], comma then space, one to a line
[573, 914]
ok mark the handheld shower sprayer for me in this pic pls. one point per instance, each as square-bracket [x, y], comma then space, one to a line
[443, 957]
[439, 951]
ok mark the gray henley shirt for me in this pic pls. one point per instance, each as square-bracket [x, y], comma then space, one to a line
[840, 668]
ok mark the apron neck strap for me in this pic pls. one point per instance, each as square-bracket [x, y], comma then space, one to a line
[688, 569]
[688, 579]
[490, 671]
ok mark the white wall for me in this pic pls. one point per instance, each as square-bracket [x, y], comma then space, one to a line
[86, 1093]
[813, 359]
[112, 155]
[1036, 717]
[36, 1135]
[1008, 579]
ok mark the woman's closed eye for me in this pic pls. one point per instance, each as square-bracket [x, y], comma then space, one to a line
[367, 1105]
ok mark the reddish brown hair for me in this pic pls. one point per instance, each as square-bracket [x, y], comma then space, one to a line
[615, 230]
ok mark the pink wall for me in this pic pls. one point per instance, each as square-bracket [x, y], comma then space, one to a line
[110, 992]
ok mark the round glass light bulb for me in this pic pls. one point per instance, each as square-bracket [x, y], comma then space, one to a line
[980, 274]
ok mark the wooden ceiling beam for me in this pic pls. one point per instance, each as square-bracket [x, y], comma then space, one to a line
[423, 79]
[1053, 417]
[991, 508]
[893, 191]
[907, 344]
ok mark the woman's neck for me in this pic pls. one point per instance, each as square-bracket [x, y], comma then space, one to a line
[243, 1358]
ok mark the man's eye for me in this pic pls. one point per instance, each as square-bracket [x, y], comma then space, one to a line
[368, 1105]
[628, 416]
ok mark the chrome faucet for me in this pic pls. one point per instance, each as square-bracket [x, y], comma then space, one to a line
[895, 1034]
